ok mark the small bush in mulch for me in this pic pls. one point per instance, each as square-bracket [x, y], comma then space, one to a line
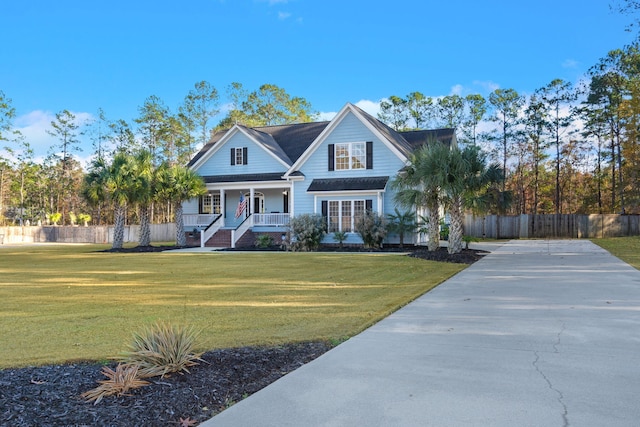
[467, 256]
[51, 395]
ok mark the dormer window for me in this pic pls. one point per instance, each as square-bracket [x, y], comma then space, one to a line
[351, 156]
[239, 156]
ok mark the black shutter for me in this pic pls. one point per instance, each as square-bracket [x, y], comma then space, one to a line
[233, 156]
[244, 155]
[331, 156]
[369, 154]
[285, 202]
[368, 205]
[325, 209]
[200, 200]
[225, 205]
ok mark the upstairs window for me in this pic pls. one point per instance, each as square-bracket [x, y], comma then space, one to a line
[351, 156]
[239, 156]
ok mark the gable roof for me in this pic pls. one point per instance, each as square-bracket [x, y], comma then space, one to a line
[290, 143]
[391, 135]
[286, 142]
[294, 139]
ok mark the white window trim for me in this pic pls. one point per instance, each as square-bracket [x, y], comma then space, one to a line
[350, 156]
[237, 150]
[340, 216]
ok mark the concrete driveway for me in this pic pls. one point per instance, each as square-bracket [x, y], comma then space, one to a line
[539, 333]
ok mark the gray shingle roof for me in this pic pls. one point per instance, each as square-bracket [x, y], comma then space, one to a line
[417, 138]
[349, 184]
[288, 142]
[295, 138]
[394, 137]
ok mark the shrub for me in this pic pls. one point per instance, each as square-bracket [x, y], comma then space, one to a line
[340, 237]
[118, 383]
[401, 223]
[307, 232]
[84, 218]
[372, 228]
[444, 230]
[162, 349]
[263, 241]
[468, 239]
[55, 217]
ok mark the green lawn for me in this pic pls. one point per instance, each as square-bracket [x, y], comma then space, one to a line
[64, 303]
[625, 248]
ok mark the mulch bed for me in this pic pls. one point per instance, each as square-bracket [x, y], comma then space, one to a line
[50, 395]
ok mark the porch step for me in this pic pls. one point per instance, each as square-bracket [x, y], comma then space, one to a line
[222, 239]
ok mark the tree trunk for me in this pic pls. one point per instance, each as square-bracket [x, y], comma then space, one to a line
[434, 228]
[456, 227]
[145, 229]
[181, 239]
[118, 230]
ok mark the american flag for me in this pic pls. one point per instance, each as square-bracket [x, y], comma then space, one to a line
[242, 205]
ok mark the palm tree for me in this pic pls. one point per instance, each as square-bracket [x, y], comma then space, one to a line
[143, 192]
[120, 184]
[177, 184]
[94, 189]
[401, 223]
[455, 170]
[482, 183]
[421, 185]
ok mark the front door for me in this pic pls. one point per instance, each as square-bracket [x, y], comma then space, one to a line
[258, 202]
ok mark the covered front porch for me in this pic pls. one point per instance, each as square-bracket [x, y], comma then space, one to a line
[238, 209]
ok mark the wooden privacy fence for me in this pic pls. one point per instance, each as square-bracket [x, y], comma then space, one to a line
[545, 226]
[91, 234]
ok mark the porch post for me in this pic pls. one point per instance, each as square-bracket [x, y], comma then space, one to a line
[250, 205]
[291, 199]
[223, 206]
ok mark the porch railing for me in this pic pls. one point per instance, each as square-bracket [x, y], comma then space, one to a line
[212, 228]
[243, 228]
[271, 219]
[198, 220]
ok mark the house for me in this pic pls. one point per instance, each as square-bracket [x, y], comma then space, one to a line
[258, 178]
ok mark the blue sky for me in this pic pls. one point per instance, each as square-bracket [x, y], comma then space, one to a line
[85, 55]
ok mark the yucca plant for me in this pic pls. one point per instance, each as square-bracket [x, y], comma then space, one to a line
[118, 383]
[163, 349]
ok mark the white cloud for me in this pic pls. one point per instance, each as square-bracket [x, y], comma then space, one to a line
[326, 115]
[457, 90]
[371, 107]
[283, 15]
[570, 63]
[34, 125]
